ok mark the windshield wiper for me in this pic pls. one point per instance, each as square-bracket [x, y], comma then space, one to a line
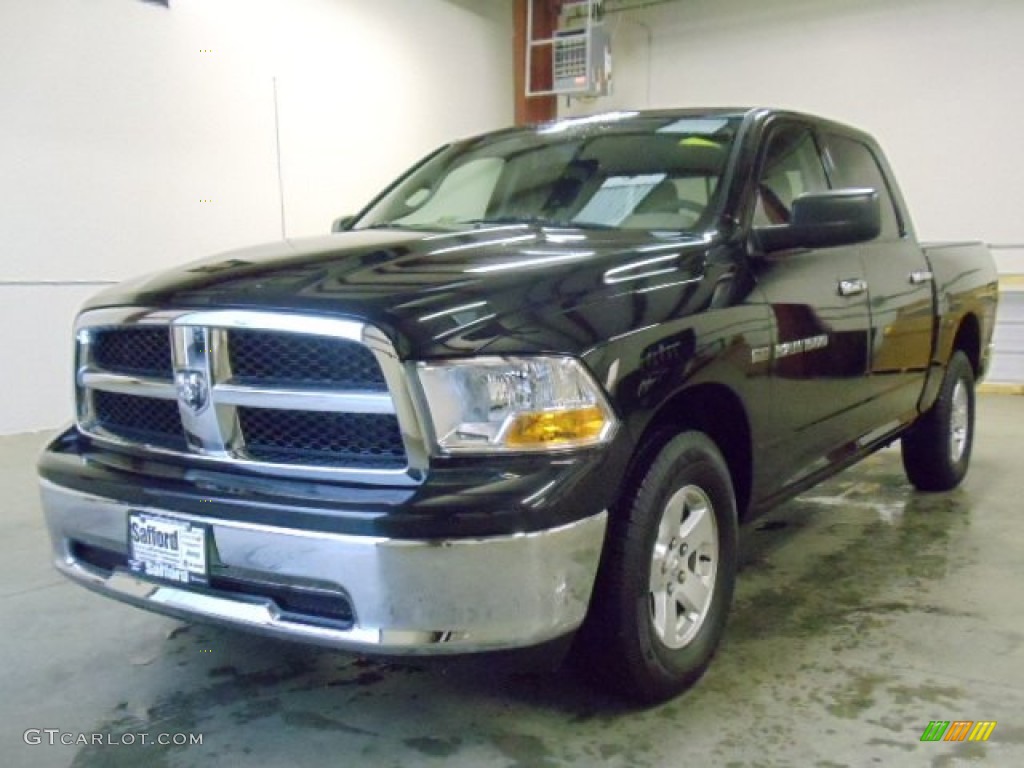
[388, 225]
[539, 221]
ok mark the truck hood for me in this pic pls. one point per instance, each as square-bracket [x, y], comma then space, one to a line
[508, 288]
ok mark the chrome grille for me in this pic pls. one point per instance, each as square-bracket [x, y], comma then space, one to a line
[322, 439]
[273, 391]
[139, 419]
[143, 351]
[283, 359]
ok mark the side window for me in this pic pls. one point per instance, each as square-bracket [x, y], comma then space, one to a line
[791, 167]
[857, 167]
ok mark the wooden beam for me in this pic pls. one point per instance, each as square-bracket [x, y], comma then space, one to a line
[539, 108]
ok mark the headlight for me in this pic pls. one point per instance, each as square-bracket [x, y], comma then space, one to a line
[512, 404]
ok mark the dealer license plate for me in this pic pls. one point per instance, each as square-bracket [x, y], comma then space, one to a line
[168, 549]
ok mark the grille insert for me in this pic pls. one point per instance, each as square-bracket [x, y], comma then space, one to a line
[296, 603]
[140, 419]
[307, 606]
[269, 358]
[365, 440]
[272, 394]
[140, 351]
[105, 560]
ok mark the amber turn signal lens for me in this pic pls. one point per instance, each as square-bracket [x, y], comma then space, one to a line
[572, 427]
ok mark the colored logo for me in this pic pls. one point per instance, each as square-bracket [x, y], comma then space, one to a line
[958, 730]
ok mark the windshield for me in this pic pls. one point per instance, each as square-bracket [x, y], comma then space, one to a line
[647, 172]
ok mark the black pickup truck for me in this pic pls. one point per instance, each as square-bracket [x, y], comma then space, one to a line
[531, 390]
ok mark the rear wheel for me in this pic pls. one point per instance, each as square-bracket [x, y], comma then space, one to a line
[937, 450]
[667, 575]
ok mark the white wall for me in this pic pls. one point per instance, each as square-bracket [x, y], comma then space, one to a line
[936, 81]
[136, 136]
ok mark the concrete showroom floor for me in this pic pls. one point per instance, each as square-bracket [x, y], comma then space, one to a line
[864, 611]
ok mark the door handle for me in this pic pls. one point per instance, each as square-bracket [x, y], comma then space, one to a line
[852, 287]
[920, 276]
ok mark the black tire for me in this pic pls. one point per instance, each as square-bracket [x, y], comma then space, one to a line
[937, 449]
[651, 644]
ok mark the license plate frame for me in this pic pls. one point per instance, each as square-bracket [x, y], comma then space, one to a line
[168, 549]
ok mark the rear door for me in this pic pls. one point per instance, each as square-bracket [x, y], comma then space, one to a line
[899, 288]
[818, 298]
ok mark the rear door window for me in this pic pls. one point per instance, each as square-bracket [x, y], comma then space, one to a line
[855, 166]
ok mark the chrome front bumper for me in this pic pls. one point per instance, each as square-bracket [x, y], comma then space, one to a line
[407, 596]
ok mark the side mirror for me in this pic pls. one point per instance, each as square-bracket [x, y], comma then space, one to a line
[823, 219]
[342, 224]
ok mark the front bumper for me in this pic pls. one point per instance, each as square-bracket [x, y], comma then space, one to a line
[362, 593]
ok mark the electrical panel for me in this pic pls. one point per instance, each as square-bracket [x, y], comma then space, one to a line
[582, 61]
[579, 52]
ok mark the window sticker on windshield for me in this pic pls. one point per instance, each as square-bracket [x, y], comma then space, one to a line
[617, 198]
[704, 126]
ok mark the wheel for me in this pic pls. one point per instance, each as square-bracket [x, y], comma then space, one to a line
[937, 449]
[667, 574]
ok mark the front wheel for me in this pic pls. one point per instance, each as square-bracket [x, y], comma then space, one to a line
[937, 449]
[667, 576]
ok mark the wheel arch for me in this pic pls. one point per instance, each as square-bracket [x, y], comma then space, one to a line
[968, 340]
[718, 412]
